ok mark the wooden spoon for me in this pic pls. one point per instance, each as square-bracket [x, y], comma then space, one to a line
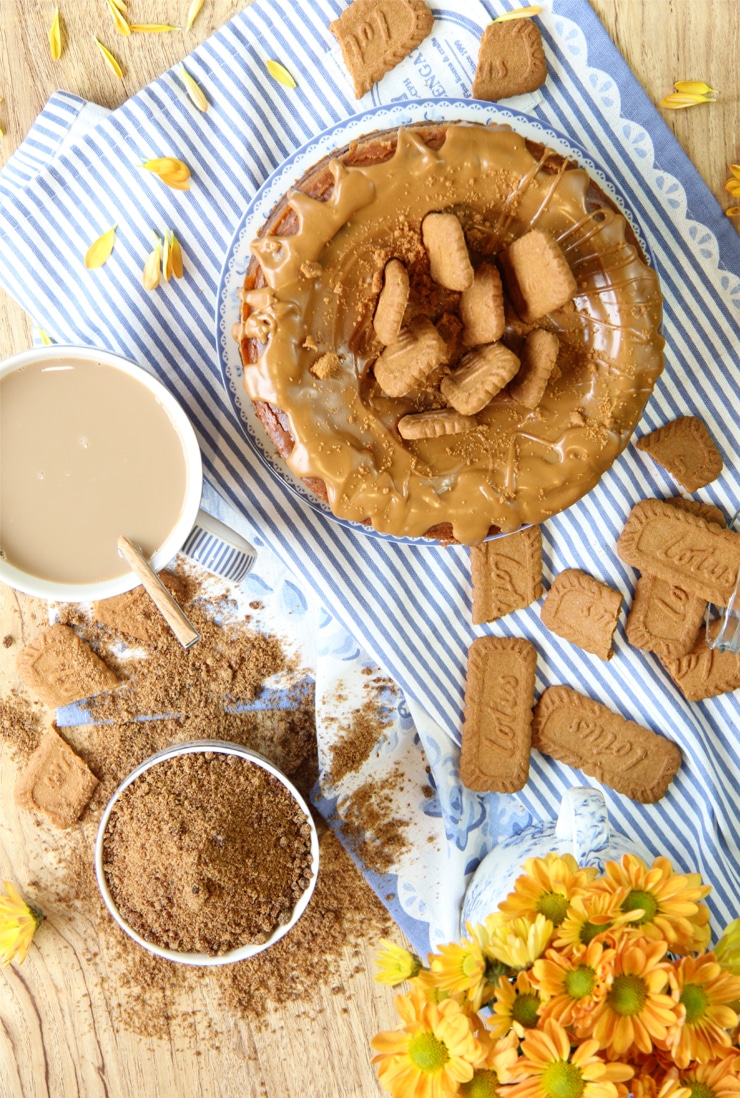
[160, 596]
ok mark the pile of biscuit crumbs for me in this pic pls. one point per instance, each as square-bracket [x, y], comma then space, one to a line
[149, 996]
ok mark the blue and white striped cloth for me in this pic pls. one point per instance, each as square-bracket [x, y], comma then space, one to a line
[407, 606]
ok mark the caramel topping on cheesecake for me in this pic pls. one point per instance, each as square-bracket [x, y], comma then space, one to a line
[313, 290]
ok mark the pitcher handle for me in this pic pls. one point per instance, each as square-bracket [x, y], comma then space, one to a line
[583, 823]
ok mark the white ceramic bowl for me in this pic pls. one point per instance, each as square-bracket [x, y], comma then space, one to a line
[243, 952]
[73, 592]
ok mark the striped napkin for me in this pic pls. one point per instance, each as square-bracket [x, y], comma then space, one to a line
[406, 608]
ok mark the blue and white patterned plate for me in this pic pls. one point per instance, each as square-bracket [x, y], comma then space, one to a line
[239, 254]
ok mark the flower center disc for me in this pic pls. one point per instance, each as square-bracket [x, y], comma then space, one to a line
[645, 900]
[627, 995]
[427, 1052]
[562, 1080]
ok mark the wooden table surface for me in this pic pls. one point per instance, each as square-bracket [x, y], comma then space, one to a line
[58, 1034]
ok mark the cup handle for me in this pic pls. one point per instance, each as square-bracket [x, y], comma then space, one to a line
[219, 549]
[583, 822]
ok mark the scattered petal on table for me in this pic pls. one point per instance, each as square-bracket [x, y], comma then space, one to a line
[193, 12]
[55, 36]
[194, 90]
[109, 59]
[280, 73]
[173, 172]
[100, 249]
[519, 13]
[119, 18]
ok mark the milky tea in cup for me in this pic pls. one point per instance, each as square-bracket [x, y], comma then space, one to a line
[90, 447]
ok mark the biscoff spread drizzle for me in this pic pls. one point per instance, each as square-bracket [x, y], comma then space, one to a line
[320, 289]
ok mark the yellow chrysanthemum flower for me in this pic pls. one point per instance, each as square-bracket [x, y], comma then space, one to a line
[637, 1009]
[727, 949]
[395, 964]
[592, 915]
[546, 888]
[516, 1005]
[517, 943]
[461, 968]
[431, 1054]
[19, 922]
[705, 992]
[549, 1068]
[572, 982]
[718, 1079]
[668, 900]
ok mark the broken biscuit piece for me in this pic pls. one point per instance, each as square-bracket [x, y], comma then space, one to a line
[134, 613]
[392, 302]
[375, 35]
[482, 307]
[449, 261]
[60, 668]
[56, 782]
[582, 610]
[418, 350]
[481, 374]
[539, 355]
[537, 275]
[511, 60]
[506, 574]
[705, 672]
[686, 450]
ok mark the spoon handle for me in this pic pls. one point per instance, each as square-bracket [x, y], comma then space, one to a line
[168, 608]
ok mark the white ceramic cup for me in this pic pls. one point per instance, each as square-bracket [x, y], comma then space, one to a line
[216, 546]
[245, 951]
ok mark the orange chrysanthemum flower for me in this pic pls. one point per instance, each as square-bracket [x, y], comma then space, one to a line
[516, 1005]
[549, 1068]
[669, 901]
[717, 1079]
[431, 1053]
[652, 1080]
[705, 992]
[637, 1009]
[572, 982]
[592, 915]
[547, 887]
[495, 1067]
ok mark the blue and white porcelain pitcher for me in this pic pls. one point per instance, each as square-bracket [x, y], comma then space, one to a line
[581, 829]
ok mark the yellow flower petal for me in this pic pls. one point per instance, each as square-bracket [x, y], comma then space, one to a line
[98, 252]
[118, 18]
[153, 28]
[676, 101]
[173, 173]
[120, 5]
[694, 87]
[519, 13]
[150, 274]
[172, 258]
[194, 90]
[193, 12]
[732, 211]
[735, 169]
[109, 59]
[280, 73]
[733, 186]
[55, 36]
[45, 337]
